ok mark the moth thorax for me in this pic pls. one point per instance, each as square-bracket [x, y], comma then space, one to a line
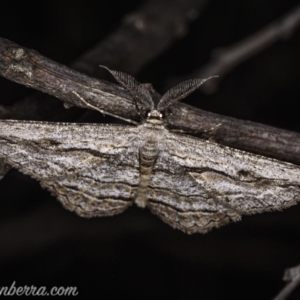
[155, 117]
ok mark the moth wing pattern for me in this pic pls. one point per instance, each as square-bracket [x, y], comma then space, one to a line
[77, 163]
[207, 185]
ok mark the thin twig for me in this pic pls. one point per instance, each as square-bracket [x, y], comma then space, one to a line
[292, 275]
[142, 36]
[226, 59]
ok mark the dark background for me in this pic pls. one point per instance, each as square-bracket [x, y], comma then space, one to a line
[135, 254]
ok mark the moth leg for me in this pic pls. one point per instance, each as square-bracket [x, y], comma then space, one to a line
[208, 132]
[184, 131]
[138, 110]
[103, 112]
[211, 132]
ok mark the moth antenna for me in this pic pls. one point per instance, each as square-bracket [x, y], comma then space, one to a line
[140, 94]
[180, 91]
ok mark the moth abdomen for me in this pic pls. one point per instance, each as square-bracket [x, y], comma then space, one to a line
[148, 155]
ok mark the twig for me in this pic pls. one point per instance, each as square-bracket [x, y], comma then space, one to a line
[147, 32]
[226, 59]
[31, 69]
[292, 275]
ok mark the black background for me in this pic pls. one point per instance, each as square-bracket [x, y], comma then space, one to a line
[135, 254]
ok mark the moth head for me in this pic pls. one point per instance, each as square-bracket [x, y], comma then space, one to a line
[143, 98]
[155, 117]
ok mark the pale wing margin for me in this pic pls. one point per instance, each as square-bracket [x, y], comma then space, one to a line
[214, 184]
[77, 163]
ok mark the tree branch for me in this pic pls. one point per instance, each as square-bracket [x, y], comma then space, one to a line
[224, 60]
[292, 275]
[147, 32]
[32, 69]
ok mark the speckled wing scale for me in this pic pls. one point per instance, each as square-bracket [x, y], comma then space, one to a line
[78, 163]
[191, 184]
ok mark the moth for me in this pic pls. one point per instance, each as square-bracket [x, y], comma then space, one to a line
[192, 184]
